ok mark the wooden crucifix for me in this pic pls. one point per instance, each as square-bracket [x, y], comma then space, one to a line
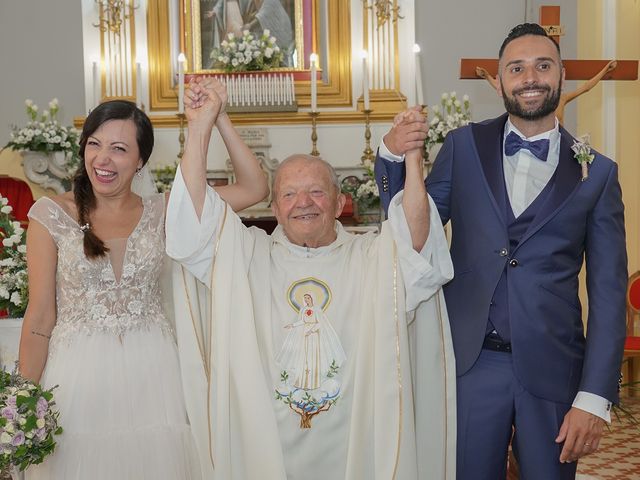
[591, 70]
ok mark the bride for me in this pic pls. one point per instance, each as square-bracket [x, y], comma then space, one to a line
[95, 325]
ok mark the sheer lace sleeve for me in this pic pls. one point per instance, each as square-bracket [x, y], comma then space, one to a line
[51, 215]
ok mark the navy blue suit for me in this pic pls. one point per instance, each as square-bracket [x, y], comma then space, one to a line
[537, 271]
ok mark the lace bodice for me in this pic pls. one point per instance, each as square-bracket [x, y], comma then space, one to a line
[89, 296]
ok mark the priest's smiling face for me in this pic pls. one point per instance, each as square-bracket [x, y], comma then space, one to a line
[307, 200]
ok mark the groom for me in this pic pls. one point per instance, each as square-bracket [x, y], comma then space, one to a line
[523, 219]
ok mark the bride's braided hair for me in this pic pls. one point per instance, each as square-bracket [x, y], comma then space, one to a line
[83, 193]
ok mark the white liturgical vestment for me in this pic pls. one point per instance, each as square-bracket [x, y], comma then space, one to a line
[326, 363]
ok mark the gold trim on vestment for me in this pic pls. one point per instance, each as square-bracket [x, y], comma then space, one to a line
[446, 404]
[206, 354]
[398, 360]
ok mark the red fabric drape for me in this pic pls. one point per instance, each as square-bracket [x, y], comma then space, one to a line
[19, 195]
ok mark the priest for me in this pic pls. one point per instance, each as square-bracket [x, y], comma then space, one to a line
[310, 353]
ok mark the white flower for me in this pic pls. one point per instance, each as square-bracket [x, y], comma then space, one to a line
[5, 438]
[268, 52]
[53, 104]
[16, 299]
[7, 242]
[234, 62]
[28, 102]
[3, 200]
[266, 32]
[6, 209]
[40, 423]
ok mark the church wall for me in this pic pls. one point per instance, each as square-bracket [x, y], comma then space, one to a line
[448, 31]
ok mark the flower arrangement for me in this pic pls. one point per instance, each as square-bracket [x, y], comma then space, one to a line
[248, 53]
[46, 135]
[163, 177]
[582, 154]
[363, 191]
[28, 422]
[13, 264]
[449, 115]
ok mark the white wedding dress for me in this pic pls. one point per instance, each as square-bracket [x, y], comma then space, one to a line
[113, 356]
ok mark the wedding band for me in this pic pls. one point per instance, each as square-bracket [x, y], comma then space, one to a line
[587, 444]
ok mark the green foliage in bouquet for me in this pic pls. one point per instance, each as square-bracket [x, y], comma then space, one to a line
[28, 422]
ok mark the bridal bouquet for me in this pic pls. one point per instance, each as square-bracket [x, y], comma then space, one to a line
[28, 422]
[13, 262]
[247, 53]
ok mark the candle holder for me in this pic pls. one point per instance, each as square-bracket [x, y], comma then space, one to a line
[181, 118]
[367, 154]
[314, 134]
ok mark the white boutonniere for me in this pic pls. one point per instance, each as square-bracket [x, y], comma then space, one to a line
[583, 155]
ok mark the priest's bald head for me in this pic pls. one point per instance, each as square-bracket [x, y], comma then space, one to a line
[307, 200]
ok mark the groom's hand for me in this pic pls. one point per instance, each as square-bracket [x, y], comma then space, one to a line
[580, 432]
[408, 132]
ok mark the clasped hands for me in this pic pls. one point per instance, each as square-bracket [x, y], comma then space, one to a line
[408, 132]
[205, 99]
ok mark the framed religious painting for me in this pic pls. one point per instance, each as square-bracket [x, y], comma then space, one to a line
[212, 24]
[300, 27]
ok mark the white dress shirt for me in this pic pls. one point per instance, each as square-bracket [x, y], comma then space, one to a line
[525, 177]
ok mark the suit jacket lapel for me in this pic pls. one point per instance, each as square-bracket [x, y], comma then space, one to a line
[566, 180]
[488, 141]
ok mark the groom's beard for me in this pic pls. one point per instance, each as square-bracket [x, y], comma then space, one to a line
[551, 102]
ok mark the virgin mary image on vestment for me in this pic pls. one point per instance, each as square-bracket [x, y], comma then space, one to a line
[311, 354]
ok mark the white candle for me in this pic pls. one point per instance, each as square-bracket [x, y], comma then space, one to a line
[365, 80]
[293, 90]
[96, 85]
[181, 60]
[138, 85]
[419, 91]
[314, 87]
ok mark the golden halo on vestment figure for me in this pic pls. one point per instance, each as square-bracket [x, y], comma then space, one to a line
[319, 291]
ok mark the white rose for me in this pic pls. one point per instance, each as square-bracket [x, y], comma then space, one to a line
[40, 423]
[3, 200]
[15, 299]
[268, 52]
[5, 438]
[9, 428]
[7, 242]
[6, 209]
[28, 102]
[272, 39]
[445, 96]
[234, 62]
[465, 98]
[245, 33]
[266, 32]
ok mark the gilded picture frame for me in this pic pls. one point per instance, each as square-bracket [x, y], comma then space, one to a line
[209, 22]
[330, 30]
